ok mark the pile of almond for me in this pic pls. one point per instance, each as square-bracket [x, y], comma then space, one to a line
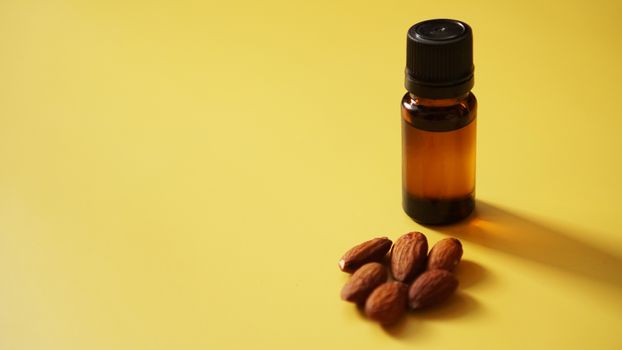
[418, 278]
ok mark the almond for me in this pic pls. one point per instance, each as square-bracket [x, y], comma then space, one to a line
[431, 288]
[363, 282]
[372, 250]
[408, 256]
[387, 303]
[445, 255]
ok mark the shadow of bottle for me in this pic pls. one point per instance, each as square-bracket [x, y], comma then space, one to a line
[498, 229]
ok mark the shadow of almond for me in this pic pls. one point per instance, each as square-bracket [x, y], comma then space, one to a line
[470, 273]
[406, 327]
[413, 324]
[458, 305]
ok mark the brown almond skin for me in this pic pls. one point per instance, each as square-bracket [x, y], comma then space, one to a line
[445, 255]
[430, 288]
[363, 282]
[372, 250]
[387, 303]
[408, 256]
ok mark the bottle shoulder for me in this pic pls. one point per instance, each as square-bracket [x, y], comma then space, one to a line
[439, 115]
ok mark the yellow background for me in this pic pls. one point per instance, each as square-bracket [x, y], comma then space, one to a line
[186, 174]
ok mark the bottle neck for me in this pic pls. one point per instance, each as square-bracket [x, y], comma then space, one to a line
[438, 102]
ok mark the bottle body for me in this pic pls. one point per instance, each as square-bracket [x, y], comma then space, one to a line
[438, 157]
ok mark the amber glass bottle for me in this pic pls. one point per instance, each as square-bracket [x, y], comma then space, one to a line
[439, 123]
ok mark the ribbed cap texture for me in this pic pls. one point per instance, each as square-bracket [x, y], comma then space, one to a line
[439, 54]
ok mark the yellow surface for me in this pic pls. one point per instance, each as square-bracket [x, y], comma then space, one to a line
[186, 174]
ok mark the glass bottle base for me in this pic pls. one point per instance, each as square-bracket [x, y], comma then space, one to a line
[438, 211]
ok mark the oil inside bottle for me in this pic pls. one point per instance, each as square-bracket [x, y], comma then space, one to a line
[438, 158]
